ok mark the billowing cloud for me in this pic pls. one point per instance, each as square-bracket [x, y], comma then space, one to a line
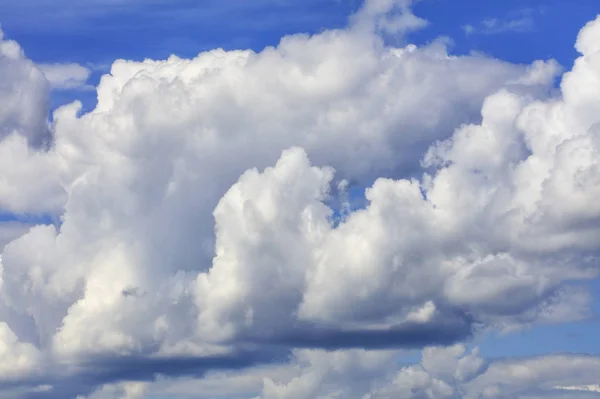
[196, 227]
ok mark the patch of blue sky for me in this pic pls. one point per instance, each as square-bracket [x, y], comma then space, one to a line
[102, 31]
[28, 219]
[523, 31]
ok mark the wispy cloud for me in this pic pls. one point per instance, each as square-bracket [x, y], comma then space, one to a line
[520, 21]
[66, 76]
[67, 15]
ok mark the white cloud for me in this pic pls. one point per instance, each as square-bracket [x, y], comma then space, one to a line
[519, 21]
[388, 16]
[29, 180]
[66, 76]
[195, 233]
[494, 26]
[583, 388]
[469, 29]
[142, 181]
[17, 359]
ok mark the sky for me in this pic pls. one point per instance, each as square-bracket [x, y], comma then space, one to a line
[323, 199]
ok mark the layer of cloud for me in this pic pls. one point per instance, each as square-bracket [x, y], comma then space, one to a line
[196, 232]
[451, 372]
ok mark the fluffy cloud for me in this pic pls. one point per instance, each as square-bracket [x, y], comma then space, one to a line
[197, 230]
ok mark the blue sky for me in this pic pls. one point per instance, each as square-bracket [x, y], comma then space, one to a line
[548, 31]
[100, 32]
[97, 32]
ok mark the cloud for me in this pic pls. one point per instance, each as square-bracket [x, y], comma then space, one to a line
[10, 230]
[28, 182]
[521, 21]
[494, 26]
[468, 29]
[24, 92]
[450, 372]
[65, 76]
[582, 388]
[388, 16]
[196, 233]
[18, 359]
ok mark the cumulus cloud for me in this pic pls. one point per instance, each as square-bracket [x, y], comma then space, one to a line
[196, 228]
